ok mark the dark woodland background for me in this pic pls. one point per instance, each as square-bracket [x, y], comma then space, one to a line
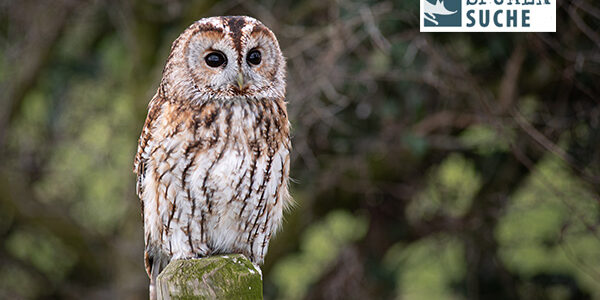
[426, 166]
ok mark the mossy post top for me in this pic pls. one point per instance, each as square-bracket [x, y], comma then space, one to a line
[216, 277]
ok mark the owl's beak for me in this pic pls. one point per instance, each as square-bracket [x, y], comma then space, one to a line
[240, 80]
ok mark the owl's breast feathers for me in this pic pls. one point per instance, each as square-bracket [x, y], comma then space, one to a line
[212, 177]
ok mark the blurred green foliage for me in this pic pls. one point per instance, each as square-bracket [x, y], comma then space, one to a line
[425, 166]
[450, 190]
[320, 244]
[428, 269]
[546, 228]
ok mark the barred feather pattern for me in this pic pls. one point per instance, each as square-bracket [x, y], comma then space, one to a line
[213, 158]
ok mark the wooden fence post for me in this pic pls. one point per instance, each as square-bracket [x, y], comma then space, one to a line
[216, 277]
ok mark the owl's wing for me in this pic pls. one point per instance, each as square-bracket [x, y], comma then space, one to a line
[139, 164]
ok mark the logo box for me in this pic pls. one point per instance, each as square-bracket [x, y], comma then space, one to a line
[488, 15]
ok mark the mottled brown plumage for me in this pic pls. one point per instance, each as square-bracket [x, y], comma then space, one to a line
[213, 157]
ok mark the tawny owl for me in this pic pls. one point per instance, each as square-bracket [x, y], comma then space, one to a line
[213, 157]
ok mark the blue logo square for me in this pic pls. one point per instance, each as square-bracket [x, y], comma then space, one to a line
[442, 13]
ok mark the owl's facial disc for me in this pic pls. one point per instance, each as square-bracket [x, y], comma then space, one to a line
[229, 57]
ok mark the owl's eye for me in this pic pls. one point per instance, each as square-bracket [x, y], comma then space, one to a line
[215, 59]
[253, 57]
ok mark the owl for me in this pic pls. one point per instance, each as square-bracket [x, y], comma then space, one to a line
[213, 157]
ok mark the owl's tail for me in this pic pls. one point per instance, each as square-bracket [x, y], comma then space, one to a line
[152, 289]
[155, 262]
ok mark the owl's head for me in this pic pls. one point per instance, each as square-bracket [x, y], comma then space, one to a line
[225, 58]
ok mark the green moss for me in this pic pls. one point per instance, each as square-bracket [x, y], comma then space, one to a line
[222, 277]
